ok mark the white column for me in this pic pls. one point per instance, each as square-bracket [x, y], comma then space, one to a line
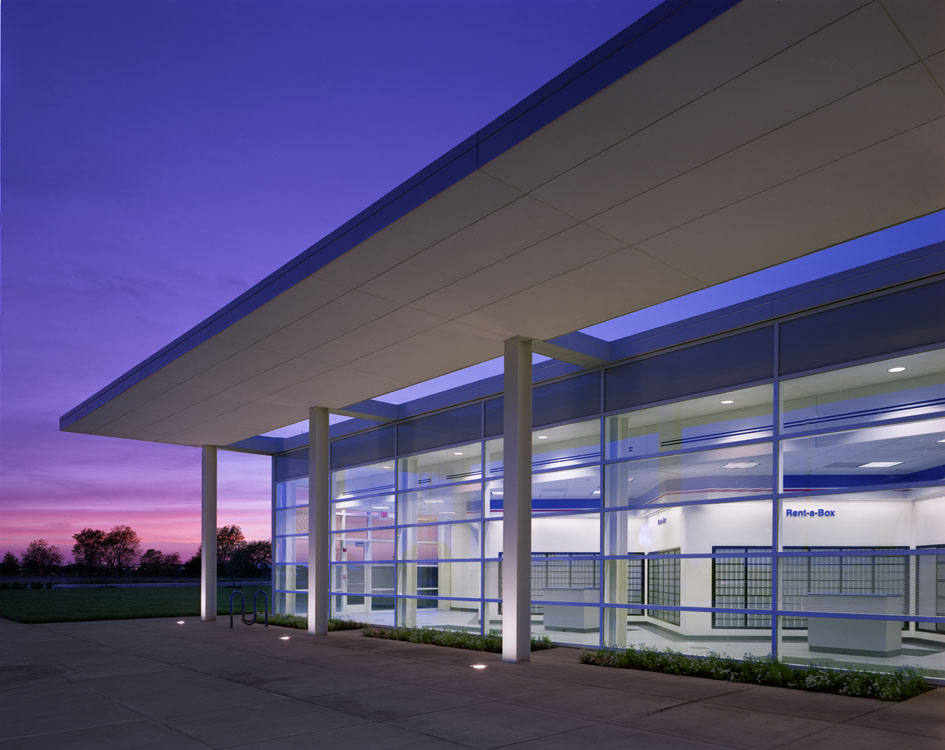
[208, 532]
[319, 521]
[517, 502]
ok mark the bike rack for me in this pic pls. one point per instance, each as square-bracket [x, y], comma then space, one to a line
[265, 597]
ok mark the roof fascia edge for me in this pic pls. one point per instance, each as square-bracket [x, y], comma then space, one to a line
[653, 33]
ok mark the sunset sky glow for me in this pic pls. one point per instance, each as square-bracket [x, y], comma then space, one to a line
[160, 157]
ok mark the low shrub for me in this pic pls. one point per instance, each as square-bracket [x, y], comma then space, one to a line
[491, 642]
[295, 621]
[905, 682]
[36, 585]
[49, 585]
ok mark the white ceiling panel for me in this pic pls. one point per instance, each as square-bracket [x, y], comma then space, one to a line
[884, 109]
[458, 206]
[327, 322]
[921, 21]
[625, 281]
[896, 180]
[563, 252]
[398, 325]
[816, 71]
[507, 230]
[761, 27]
[936, 66]
[339, 387]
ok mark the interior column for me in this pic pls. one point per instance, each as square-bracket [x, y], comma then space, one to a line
[319, 521]
[517, 501]
[208, 532]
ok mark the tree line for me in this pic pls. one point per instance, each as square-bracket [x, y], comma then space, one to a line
[116, 552]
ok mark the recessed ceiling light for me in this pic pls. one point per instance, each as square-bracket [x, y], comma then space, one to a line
[596, 492]
[740, 465]
[941, 441]
[457, 453]
[896, 369]
[630, 479]
[385, 467]
[379, 507]
[283, 637]
[542, 437]
[727, 401]
[478, 666]
[880, 464]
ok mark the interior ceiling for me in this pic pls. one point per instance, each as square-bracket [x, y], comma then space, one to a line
[775, 130]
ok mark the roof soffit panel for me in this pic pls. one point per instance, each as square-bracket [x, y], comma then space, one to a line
[936, 66]
[614, 285]
[441, 350]
[394, 327]
[309, 294]
[343, 384]
[894, 181]
[204, 355]
[884, 109]
[460, 205]
[339, 316]
[559, 254]
[816, 71]
[643, 96]
[505, 231]
[276, 379]
[922, 22]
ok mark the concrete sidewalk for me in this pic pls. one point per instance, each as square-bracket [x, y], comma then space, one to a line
[156, 684]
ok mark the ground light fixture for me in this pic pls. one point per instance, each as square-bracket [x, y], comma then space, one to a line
[283, 637]
[180, 622]
[478, 666]
[896, 369]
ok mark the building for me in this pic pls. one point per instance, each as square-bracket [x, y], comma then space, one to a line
[764, 478]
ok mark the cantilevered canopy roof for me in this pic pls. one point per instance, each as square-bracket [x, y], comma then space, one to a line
[708, 140]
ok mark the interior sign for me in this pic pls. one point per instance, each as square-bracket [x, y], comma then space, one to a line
[819, 513]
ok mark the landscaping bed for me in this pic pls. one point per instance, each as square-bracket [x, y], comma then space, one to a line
[491, 642]
[905, 682]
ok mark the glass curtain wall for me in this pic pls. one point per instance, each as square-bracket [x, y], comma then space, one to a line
[696, 522]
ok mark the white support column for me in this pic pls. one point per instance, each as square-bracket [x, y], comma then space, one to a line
[517, 502]
[208, 532]
[319, 521]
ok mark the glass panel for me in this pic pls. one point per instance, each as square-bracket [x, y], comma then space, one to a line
[288, 603]
[908, 386]
[363, 480]
[369, 587]
[460, 425]
[663, 584]
[373, 445]
[292, 549]
[292, 493]
[566, 622]
[705, 475]
[289, 577]
[719, 419]
[874, 456]
[359, 546]
[292, 521]
[363, 513]
[568, 491]
[930, 587]
[439, 542]
[450, 579]
[456, 503]
[459, 464]
[553, 447]
[440, 614]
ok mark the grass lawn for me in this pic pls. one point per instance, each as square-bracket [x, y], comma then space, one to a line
[71, 605]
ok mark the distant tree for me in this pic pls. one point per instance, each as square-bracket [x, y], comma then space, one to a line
[41, 557]
[10, 566]
[192, 566]
[121, 548]
[229, 539]
[155, 563]
[260, 553]
[89, 549]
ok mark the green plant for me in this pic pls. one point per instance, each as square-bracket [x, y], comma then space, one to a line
[491, 641]
[301, 623]
[905, 682]
[36, 585]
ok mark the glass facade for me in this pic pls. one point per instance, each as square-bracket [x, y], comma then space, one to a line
[801, 514]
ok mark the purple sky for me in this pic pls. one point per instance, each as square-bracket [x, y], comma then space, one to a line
[161, 156]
